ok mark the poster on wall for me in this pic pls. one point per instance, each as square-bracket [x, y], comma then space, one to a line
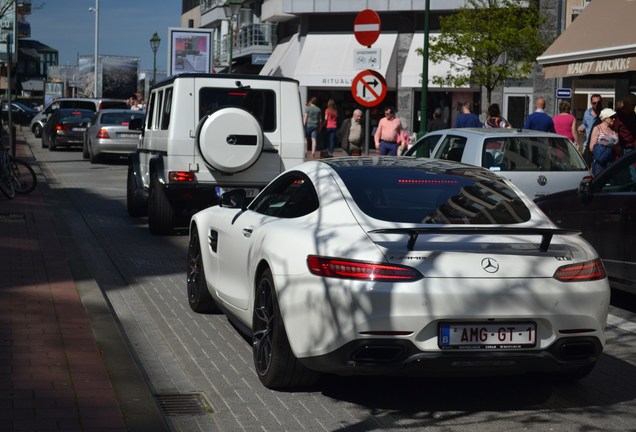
[190, 50]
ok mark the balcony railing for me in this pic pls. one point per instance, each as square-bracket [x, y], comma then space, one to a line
[248, 40]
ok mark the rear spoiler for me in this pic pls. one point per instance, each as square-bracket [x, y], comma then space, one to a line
[545, 233]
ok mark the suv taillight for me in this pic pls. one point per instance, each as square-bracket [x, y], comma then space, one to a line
[181, 176]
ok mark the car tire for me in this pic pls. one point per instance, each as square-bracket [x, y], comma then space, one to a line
[136, 203]
[92, 156]
[85, 152]
[52, 144]
[274, 361]
[37, 130]
[160, 211]
[199, 297]
[44, 145]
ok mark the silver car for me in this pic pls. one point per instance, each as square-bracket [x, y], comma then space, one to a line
[538, 163]
[108, 134]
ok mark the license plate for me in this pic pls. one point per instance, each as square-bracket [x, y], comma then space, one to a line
[487, 335]
[128, 135]
[249, 192]
[78, 129]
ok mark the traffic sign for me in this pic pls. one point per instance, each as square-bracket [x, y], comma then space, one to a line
[564, 93]
[366, 27]
[367, 58]
[369, 88]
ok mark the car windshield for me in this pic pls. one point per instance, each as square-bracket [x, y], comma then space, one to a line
[119, 118]
[531, 153]
[445, 196]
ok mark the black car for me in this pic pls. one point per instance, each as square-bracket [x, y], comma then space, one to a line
[21, 113]
[604, 210]
[66, 127]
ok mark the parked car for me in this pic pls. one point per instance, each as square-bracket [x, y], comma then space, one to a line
[21, 113]
[66, 127]
[37, 123]
[603, 208]
[109, 134]
[538, 163]
[386, 265]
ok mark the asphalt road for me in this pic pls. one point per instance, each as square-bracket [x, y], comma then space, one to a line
[195, 357]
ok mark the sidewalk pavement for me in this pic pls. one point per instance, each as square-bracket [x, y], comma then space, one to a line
[64, 364]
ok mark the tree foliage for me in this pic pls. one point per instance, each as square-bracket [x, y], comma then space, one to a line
[488, 42]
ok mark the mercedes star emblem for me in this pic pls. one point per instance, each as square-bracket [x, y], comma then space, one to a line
[542, 180]
[490, 265]
[231, 139]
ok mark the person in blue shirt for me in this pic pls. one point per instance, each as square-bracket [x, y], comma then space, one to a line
[590, 119]
[539, 120]
[467, 119]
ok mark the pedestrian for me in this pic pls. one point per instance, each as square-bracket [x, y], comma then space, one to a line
[312, 120]
[352, 134]
[495, 120]
[386, 135]
[625, 124]
[331, 124]
[539, 120]
[605, 137]
[565, 123]
[590, 119]
[437, 123]
[466, 118]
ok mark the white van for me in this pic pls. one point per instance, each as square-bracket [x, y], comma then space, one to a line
[205, 133]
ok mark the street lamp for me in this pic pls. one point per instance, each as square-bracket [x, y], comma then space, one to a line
[96, 10]
[231, 9]
[155, 40]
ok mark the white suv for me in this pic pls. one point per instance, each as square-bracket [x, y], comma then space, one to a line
[204, 134]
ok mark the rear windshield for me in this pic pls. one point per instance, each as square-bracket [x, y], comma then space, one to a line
[260, 103]
[75, 116]
[113, 105]
[454, 196]
[531, 154]
[120, 118]
[78, 104]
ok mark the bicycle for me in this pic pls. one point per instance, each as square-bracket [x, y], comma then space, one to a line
[16, 175]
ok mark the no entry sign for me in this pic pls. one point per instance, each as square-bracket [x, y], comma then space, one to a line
[366, 27]
[368, 88]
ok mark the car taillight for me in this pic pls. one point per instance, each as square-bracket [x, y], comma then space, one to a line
[103, 134]
[181, 176]
[361, 270]
[587, 271]
[61, 127]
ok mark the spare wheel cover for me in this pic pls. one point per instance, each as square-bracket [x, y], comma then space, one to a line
[230, 140]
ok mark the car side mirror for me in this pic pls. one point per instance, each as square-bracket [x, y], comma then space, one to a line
[136, 124]
[234, 198]
[585, 189]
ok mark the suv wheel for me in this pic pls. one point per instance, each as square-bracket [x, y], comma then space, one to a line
[135, 202]
[230, 140]
[37, 130]
[160, 211]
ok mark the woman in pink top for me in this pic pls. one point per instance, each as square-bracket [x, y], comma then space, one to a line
[331, 124]
[565, 123]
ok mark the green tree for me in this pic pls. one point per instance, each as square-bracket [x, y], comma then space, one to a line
[488, 42]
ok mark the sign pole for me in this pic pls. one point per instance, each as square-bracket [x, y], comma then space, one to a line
[424, 107]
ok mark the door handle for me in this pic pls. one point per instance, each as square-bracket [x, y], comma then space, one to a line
[247, 232]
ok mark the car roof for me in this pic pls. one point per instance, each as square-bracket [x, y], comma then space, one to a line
[498, 132]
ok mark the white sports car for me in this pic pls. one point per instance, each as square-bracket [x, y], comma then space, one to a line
[382, 265]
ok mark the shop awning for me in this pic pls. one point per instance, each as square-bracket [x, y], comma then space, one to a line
[282, 62]
[327, 60]
[601, 40]
[412, 72]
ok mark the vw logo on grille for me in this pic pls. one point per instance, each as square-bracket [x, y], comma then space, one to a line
[542, 180]
[490, 265]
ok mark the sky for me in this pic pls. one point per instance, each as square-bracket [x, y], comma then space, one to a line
[125, 28]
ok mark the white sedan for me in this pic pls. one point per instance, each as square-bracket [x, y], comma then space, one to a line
[398, 266]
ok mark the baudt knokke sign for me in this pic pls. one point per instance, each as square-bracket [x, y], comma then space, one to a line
[593, 67]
